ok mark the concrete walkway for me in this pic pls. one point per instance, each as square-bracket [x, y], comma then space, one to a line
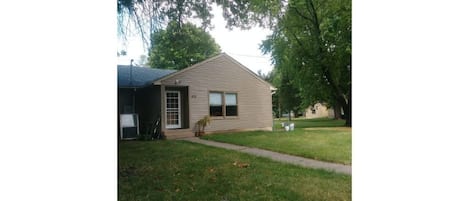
[305, 162]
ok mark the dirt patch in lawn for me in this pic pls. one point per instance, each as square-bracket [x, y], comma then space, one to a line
[330, 128]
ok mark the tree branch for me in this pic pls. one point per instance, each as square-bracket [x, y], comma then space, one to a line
[301, 14]
[139, 24]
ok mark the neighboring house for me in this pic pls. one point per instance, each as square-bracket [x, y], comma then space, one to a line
[235, 97]
[318, 110]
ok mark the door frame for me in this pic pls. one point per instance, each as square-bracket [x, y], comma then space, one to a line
[173, 126]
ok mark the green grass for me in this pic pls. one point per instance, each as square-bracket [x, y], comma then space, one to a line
[332, 144]
[177, 170]
[309, 123]
[325, 145]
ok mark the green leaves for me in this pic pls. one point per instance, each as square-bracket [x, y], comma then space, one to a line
[146, 16]
[180, 46]
[311, 40]
[312, 45]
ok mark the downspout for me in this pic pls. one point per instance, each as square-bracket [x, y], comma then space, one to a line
[133, 94]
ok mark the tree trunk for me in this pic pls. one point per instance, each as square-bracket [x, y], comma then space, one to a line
[279, 111]
[347, 107]
[348, 114]
[337, 114]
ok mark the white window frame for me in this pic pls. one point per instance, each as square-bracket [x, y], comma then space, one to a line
[223, 104]
[173, 126]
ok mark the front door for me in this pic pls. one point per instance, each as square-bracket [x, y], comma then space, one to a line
[173, 109]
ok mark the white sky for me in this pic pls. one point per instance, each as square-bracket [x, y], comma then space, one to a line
[243, 45]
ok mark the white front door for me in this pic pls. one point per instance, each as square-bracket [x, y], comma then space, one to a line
[173, 109]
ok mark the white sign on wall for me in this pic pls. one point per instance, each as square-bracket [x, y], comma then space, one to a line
[129, 126]
[127, 120]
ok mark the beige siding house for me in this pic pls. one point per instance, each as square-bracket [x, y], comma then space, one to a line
[234, 97]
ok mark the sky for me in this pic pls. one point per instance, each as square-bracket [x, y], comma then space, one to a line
[242, 45]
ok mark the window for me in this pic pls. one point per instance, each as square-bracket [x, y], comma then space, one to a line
[216, 107]
[231, 104]
[223, 104]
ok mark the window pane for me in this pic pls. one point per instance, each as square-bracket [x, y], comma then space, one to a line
[230, 99]
[215, 99]
[216, 111]
[231, 110]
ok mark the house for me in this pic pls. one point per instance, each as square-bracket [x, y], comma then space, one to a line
[318, 110]
[235, 97]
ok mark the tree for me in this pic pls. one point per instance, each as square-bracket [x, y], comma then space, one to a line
[289, 97]
[180, 46]
[143, 60]
[121, 53]
[312, 41]
[273, 78]
[144, 17]
[268, 77]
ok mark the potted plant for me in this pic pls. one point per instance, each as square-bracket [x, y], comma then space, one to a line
[201, 124]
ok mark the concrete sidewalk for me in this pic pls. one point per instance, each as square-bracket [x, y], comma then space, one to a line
[305, 162]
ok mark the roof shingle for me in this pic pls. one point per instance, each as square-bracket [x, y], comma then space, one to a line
[141, 76]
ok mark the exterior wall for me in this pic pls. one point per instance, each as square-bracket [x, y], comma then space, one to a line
[223, 74]
[148, 106]
[321, 112]
[125, 101]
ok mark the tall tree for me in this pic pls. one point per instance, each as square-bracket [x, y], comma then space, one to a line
[288, 96]
[312, 41]
[180, 46]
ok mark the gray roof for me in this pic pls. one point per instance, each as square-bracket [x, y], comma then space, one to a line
[141, 76]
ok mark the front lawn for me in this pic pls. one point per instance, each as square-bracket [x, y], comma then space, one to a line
[178, 170]
[325, 144]
[309, 123]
